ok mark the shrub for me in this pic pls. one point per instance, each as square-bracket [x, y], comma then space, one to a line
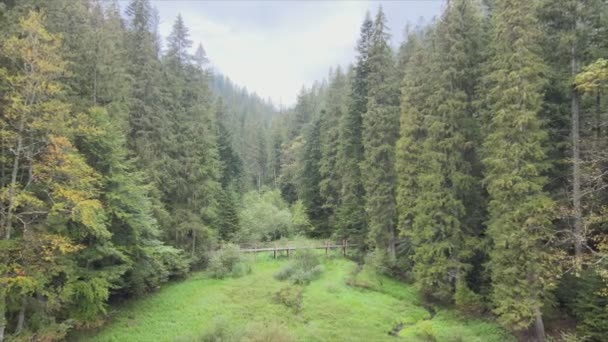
[378, 261]
[221, 332]
[271, 332]
[304, 268]
[155, 265]
[426, 331]
[227, 261]
[290, 296]
[264, 217]
[285, 272]
[303, 277]
[299, 219]
[466, 300]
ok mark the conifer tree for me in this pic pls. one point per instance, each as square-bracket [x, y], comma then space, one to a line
[231, 162]
[310, 178]
[519, 210]
[415, 93]
[230, 174]
[572, 35]
[145, 116]
[379, 134]
[336, 107]
[178, 44]
[351, 218]
[445, 214]
[200, 56]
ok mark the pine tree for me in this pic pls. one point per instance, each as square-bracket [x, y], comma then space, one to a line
[330, 177]
[231, 169]
[379, 135]
[232, 164]
[415, 95]
[351, 218]
[200, 56]
[445, 213]
[571, 29]
[228, 220]
[178, 44]
[145, 114]
[309, 190]
[519, 210]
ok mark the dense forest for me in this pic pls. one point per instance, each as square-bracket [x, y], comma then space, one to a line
[471, 161]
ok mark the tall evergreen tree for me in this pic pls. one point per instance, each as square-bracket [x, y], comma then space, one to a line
[415, 93]
[309, 189]
[514, 157]
[178, 44]
[379, 135]
[330, 122]
[351, 218]
[145, 116]
[445, 213]
[200, 56]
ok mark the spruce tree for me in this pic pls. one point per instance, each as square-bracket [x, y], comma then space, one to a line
[336, 107]
[445, 213]
[415, 93]
[379, 135]
[519, 210]
[200, 56]
[351, 218]
[145, 114]
[310, 178]
[178, 44]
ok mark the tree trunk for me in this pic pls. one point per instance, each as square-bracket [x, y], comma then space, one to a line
[598, 117]
[2, 312]
[193, 243]
[392, 253]
[576, 167]
[13, 186]
[21, 317]
[539, 326]
[259, 183]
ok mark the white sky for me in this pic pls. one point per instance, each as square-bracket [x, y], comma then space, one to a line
[275, 47]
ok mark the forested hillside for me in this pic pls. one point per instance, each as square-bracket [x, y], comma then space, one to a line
[471, 161]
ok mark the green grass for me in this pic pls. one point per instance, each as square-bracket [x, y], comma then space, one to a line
[331, 310]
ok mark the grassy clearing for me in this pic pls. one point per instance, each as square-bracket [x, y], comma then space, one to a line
[325, 310]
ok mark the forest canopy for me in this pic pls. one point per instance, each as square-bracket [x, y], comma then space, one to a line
[470, 161]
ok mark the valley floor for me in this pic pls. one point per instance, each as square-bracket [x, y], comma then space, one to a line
[331, 310]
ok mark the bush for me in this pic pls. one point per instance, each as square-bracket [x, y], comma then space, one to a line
[264, 217]
[255, 332]
[299, 219]
[285, 272]
[155, 265]
[303, 277]
[271, 332]
[426, 331]
[466, 300]
[378, 261]
[228, 261]
[583, 297]
[221, 332]
[290, 296]
[304, 268]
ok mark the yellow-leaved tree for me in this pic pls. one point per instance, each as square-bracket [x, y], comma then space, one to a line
[49, 205]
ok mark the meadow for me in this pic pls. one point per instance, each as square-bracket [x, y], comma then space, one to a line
[344, 304]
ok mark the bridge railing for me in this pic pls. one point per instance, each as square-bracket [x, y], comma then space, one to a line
[287, 246]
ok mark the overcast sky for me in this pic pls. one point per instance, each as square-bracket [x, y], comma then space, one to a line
[275, 47]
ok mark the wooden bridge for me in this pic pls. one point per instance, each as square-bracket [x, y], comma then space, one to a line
[291, 246]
